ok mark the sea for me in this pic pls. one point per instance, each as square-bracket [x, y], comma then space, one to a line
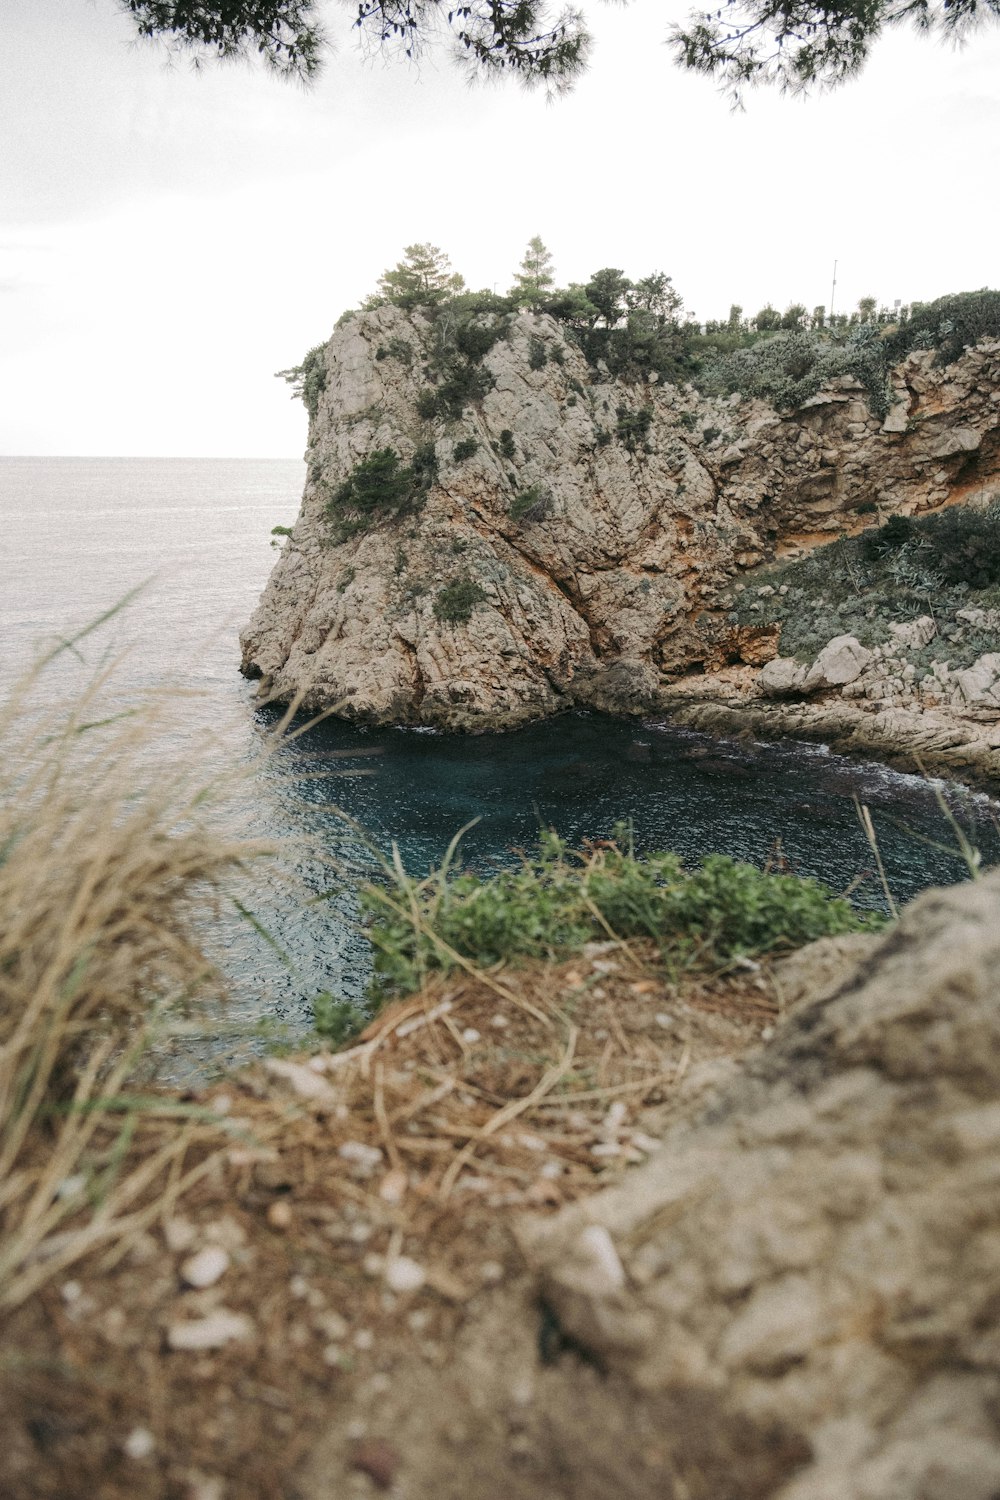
[185, 547]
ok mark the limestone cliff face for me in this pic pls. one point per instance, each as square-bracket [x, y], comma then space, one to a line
[646, 501]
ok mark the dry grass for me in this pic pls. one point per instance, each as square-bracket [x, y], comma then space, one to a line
[104, 851]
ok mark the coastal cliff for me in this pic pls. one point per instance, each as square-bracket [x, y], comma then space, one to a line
[493, 529]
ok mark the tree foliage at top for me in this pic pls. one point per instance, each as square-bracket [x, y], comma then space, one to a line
[792, 44]
[534, 280]
[422, 278]
[285, 34]
[797, 45]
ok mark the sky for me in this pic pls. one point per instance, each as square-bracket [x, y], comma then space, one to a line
[170, 237]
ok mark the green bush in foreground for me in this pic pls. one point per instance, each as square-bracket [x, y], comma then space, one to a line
[557, 900]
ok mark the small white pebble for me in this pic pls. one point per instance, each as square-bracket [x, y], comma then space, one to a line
[204, 1487]
[360, 1155]
[664, 1018]
[205, 1267]
[404, 1275]
[298, 1286]
[491, 1270]
[332, 1325]
[500, 1022]
[221, 1104]
[551, 1170]
[360, 1233]
[71, 1291]
[364, 1339]
[180, 1234]
[470, 1035]
[212, 1332]
[72, 1187]
[419, 1319]
[767, 1033]
[333, 1355]
[139, 1444]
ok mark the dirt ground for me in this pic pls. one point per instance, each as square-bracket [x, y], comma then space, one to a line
[309, 1321]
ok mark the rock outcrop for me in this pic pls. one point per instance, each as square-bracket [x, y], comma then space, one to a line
[820, 1250]
[592, 523]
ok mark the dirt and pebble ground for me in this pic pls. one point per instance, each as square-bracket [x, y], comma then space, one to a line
[264, 1334]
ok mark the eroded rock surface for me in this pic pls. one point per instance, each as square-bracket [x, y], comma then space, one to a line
[821, 1248]
[600, 520]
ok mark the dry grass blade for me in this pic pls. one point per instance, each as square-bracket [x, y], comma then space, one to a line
[104, 853]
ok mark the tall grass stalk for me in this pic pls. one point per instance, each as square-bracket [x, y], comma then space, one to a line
[107, 858]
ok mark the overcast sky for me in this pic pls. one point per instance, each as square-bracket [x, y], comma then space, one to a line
[169, 238]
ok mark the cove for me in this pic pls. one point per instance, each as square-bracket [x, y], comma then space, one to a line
[579, 774]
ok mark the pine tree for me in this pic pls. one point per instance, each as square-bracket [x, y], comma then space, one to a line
[423, 276]
[535, 279]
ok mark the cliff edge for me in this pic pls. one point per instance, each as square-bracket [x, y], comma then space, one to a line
[493, 530]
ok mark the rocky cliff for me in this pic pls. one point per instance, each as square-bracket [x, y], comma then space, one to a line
[574, 533]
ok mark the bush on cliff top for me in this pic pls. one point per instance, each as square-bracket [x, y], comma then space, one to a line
[557, 900]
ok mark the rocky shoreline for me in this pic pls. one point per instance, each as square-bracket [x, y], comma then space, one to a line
[963, 748]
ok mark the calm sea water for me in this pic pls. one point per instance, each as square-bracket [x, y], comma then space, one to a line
[78, 534]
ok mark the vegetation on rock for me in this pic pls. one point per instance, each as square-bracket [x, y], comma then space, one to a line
[558, 899]
[456, 601]
[381, 488]
[913, 566]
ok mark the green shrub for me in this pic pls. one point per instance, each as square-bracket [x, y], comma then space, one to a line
[505, 447]
[345, 580]
[556, 901]
[787, 368]
[396, 348]
[308, 380]
[633, 425]
[948, 325]
[281, 531]
[464, 449]
[456, 601]
[380, 487]
[531, 504]
[537, 355]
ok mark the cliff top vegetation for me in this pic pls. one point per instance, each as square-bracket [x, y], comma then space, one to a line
[637, 329]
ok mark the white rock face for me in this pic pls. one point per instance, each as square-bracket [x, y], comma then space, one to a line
[841, 661]
[781, 677]
[595, 522]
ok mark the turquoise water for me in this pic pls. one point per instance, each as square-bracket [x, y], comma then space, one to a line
[80, 533]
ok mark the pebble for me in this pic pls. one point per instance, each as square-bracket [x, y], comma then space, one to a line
[470, 1035]
[365, 1158]
[206, 1266]
[71, 1187]
[404, 1275]
[364, 1339]
[179, 1234]
[499, 1021]
[140, 1444]
[279, 1214]
[332, 1325]
[392, 1188]
[204, 1487]
[212, 1332]
[71, 1291]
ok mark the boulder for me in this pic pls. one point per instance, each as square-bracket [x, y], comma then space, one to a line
[820, 1248]
[782, 677]
[842, 660]
[914, 634]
